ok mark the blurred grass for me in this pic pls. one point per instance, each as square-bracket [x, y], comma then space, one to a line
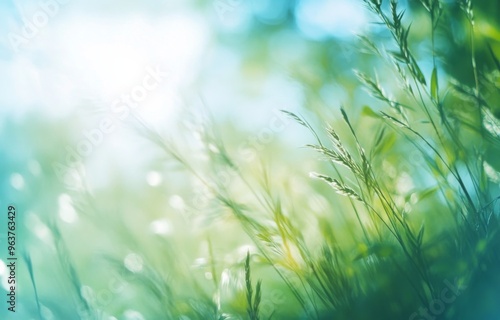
[402, 201]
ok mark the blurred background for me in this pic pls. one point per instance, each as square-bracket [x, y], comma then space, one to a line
[109, 219]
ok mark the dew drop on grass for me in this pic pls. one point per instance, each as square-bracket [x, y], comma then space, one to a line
[200, 262]
[87, 293]
[197, 136]
[493, 174]
[414, 198]
[3, 275]
[36, 225]
[176, 202]
[17, 181]
[161, 227]
[133, 262]
[154, 178]
[389, 169]
[242, 250]
[225, 278]
[407, 207]
[34, 167]
[47, 314]
[67, 212]
[213, 148]
[491, 123]
[404, 183]
[133, 315]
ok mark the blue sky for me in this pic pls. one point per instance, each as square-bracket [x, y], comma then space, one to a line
[95, 51]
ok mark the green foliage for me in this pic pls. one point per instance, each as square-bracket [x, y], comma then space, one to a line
[253, 300]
